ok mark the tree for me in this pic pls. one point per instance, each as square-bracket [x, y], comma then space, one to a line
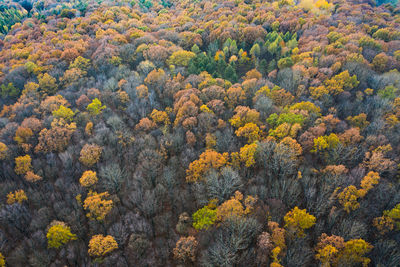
[95, 107]
[359, 121]
[368, 182]
[328, 249]
[160, 117]
[88, 179]
[298, 220]
[32, 177]
[249, 131]
[325, 142]
[9, 90]
[47, 83]
[80, 63]
[100, 245]
[342, 81]
[205, 217]
[235, 207]
[354, 251]
[90, 154]
[389, 221]
[59, 234]
[208, 160]
[244, 115]
[23, 136]
[56, 138]
[185, 249]
[3, 151]
[380, 62]
[180, 58]
[16, 196]
[247, 154]
[348, 198]
[23, 164]
[98, 205]
[65, 113]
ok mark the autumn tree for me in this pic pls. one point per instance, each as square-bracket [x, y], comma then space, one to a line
[185, 249]
[348, 198]
[208, 160]
[47, 83]
[354, 252]
[236, 206]
[95, 107]
[244, 115]
[65, 113]
[328, 249]
[250, 131]
[32, 177]
[342, 81]
[23, 164]
[57, 137]
[90, 154]
[298, 220]
[389, 221]
[3, 151]
[247, 154]
[98, 205]
[88, 179]
[58, 234]
[180, 58]
[16, 196]
[325, 142]
[205, 217]
[100, 245]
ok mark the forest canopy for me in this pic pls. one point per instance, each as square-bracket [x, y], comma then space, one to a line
[199, 133]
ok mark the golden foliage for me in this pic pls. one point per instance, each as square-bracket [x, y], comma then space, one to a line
[88, 179]
[98, 205]
[90, 154]
[298, 220]
[208, 160]
[100, 245]
[16, 196]
[23, 164]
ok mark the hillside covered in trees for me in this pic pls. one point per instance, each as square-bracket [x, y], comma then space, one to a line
[199, 133]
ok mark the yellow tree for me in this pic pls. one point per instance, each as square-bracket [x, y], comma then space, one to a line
[16, 196]
[3, 151]
[90, 154]
[250, 131]
[348, 198]
[208, 160]
[47, 83]
[23, 164]
[88, 179]
[2, 260]
[100, 245]
[95, 107]
[235, 207]
[180, 58]
[368, 182]
[354, 251]
[65, 113]
[247, 154]
[98, 205]
[298, 220]
[59, 234]
[342, 81]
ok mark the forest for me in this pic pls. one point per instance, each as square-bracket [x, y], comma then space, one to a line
[200, 133]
